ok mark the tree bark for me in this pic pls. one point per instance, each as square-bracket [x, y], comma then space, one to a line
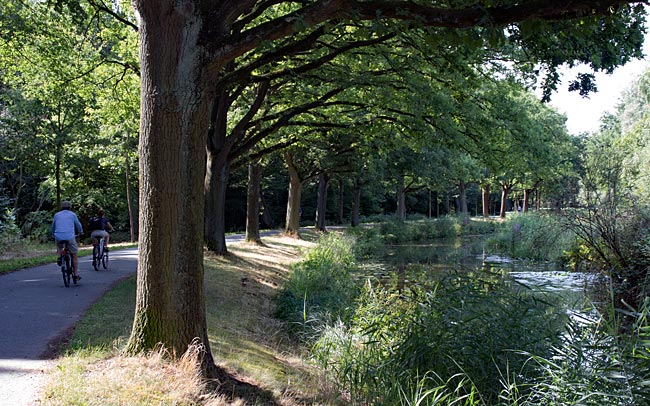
[527, 193]
[253, 203]
[321, 206]
[462, 188]
[57, 176]
[175, 113]
[505, 191]
[447, 204]
[267, 220]
[292, 226]
[436, 204]
[215, 188]
[216, 176]
[485, 194]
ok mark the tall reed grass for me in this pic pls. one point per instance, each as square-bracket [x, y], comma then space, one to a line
[393, 231]
[463, 334]
[535, 236]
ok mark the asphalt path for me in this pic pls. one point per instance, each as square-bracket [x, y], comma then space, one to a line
[37, 310]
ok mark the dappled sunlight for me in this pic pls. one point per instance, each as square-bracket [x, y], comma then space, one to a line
[245, 338]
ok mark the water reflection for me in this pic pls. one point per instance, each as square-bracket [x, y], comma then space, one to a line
[423, 263]
[457, 253]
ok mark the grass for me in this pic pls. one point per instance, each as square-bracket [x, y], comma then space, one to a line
[21, 256]
[246, 341]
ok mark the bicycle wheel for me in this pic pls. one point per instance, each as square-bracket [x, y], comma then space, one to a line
[70, 269]
[105, 259]
[66, 270]
[96, 257]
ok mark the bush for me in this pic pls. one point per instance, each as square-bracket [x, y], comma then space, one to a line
[367, 241]
[37, 226]
[617, 243]
[596, 365]
[463, 331]
[533, 236]
[321, 285]
[9, 231]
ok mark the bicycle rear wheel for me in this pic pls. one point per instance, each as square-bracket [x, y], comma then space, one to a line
[105, 260]
[96, 258]
[66, 270]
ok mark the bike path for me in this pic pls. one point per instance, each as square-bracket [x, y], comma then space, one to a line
[36, 309]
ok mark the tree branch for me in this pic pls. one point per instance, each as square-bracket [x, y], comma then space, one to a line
[328, 10]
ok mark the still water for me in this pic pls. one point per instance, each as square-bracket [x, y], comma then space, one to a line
[417, 263]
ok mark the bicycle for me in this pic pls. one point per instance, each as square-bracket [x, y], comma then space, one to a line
[65, 261]
[100, 254]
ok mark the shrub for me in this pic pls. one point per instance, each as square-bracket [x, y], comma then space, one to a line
[463, 330]
[321, 285]
[533, 236]
[617, 243]
[596, 365]
[9, 231]
[37, 226]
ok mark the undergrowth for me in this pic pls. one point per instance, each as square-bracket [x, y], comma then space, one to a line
[464, 339]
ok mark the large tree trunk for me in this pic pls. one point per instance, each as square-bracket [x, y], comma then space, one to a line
[485, 194]
[175, 109]
[356, 203]
[216, 186]
[216, 178]
[321, 206]
[292, 226]
[253, 203]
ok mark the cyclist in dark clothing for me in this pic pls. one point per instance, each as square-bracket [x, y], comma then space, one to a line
[100, 226]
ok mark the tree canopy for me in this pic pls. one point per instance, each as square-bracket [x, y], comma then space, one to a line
[234, 78]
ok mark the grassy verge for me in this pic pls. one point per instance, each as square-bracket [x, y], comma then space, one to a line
[245, 340]
[28, 256]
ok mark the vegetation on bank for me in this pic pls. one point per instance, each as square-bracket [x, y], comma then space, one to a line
[462, 338]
